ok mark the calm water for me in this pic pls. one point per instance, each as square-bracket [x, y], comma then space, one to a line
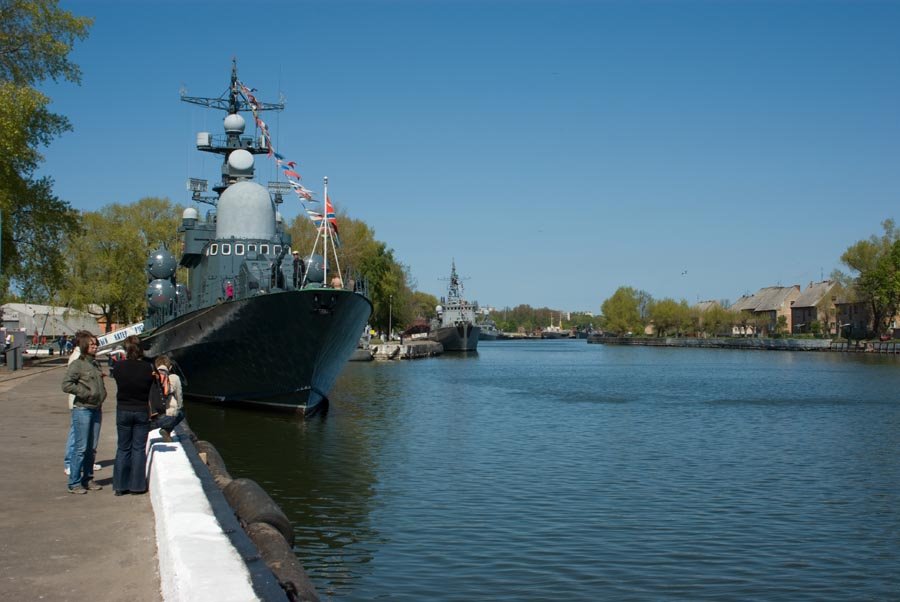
[557, 470]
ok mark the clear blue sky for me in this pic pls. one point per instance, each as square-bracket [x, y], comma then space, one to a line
[556, 150]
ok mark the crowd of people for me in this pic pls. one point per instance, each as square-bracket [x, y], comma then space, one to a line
[135, 376]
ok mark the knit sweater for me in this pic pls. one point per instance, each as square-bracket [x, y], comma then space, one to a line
[133, 380]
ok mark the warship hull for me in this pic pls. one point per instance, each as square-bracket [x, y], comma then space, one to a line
[462, 337]
[281, 350]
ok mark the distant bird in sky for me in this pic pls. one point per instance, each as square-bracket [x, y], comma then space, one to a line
[684, 273]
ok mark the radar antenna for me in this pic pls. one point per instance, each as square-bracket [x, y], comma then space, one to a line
[231, 99]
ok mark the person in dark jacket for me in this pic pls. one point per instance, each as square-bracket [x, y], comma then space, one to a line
[84, 380]
[134, 376]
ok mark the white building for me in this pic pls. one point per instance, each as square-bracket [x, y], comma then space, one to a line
[46, 320]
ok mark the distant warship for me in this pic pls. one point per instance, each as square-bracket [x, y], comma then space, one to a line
[455, 327]
[252, 324]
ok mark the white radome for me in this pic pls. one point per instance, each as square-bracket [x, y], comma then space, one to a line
[234, 123]
[240, 161]
[245, 211]
[190, 213]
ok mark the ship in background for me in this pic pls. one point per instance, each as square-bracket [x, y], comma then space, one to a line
[455, 327]
[251, 325]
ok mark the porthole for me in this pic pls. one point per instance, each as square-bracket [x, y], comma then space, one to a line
[264, 249]
[213, 249]
[276, 250]
[238, 249]
[226, 248]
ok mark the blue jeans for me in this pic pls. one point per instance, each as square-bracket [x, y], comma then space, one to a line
[130, 471]
[84, 422]
[168, 423]
[70, 441]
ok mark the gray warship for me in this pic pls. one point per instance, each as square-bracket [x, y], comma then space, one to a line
[251, 325]
[455, 327]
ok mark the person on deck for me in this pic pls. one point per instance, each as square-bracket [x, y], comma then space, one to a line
[299, 269]
[134, 376]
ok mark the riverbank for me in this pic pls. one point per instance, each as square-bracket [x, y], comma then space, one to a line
[888, 347]
[54, 545]
[181, 541]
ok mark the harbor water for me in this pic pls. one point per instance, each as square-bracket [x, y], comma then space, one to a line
[558, 470]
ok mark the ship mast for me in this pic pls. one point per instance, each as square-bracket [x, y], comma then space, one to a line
[232, 102]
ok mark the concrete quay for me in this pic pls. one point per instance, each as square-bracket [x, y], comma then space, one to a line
[409, 350]
[181, 541]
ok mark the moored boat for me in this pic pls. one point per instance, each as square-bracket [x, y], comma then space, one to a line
[255, 323]
[455, 327]
[489, 331]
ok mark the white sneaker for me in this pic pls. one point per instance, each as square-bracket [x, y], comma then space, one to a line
[66, 469]
[97, 467]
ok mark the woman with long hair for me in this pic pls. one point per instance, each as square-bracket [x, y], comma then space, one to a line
[134, 377]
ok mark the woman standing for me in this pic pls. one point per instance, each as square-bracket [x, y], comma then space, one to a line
[134, 376]
[84, 380]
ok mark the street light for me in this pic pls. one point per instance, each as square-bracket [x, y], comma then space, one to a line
[390, 317]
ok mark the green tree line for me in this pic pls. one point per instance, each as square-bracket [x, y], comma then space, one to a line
[873, 279]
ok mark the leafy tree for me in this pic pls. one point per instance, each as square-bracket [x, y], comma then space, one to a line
[362, 256]
[36, 37]
[717, 320]
[108, 261]
[877, 262]
[622, 311]
[422, 305]
[781, 325]
[39, 224]
[670, 316]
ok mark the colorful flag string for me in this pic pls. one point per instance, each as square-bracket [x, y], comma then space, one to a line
[288, 168]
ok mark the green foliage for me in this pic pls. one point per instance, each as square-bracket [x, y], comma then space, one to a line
[107, 262]
[670, 317]
[781, 325]
[422, 305]
[623, 311]
[716, 321]
[530, 319]
[877, 263]
[362, 256]
[36, 38]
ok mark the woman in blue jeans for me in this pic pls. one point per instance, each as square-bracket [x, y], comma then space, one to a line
[134, 376]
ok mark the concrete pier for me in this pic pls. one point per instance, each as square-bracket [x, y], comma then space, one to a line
[408, 350]
[54, 545]
[59, 546]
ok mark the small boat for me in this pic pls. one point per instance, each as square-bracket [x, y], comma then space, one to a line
[554, 332]
[489, 331]
[455, 327]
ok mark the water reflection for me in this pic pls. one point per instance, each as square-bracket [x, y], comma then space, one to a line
[561, 470]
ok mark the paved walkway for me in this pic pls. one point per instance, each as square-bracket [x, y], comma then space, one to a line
[54, 545]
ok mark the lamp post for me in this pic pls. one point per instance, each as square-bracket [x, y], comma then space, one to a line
[849, 332]
[390, 317]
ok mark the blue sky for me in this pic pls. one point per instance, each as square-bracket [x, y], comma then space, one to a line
[555, 150]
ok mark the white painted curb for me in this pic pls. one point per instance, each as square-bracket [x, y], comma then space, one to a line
[197, 562]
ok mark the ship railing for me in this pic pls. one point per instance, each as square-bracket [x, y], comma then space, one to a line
[221, 141]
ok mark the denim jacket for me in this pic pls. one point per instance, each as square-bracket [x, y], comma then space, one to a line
[85, 381]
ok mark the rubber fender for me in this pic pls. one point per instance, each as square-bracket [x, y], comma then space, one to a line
[252, 504]
[280, 558]
[215, 463]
